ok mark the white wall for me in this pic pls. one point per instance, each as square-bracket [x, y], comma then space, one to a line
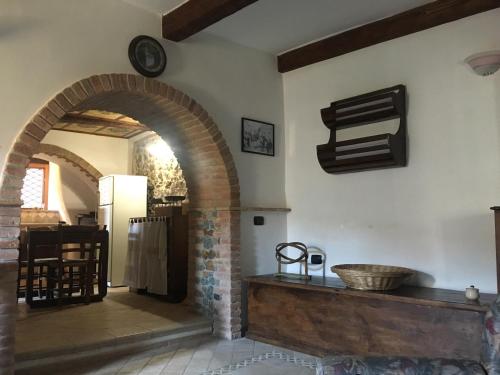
[107, 155]
[264, 239]
[68, 192]
[55, 201]
[78, 196]
[434, 214]
[46, 46]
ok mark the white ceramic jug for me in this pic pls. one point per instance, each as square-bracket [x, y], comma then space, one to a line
[472, 293]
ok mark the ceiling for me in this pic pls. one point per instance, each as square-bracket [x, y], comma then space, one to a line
[276, 26]
[155, 6]
[107, 124]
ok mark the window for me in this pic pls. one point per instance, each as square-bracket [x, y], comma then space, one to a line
[35, 187]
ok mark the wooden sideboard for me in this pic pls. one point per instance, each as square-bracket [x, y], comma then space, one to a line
[323, 317]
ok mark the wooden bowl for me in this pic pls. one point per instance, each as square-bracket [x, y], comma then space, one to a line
[372, 276]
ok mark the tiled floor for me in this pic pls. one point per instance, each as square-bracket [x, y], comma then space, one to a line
[212, 357]
[121, 314]
[124, 315]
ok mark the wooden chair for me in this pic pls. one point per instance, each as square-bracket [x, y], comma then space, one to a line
[91, 246]
[79, 240]
[67, 271]
[42, 252]
[40, 268]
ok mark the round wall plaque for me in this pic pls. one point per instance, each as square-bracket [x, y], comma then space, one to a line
[147, 56]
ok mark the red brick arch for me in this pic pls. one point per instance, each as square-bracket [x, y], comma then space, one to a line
[209, 169]
[76, 161]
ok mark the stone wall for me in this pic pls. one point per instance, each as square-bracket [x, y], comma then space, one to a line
[163, 171]
[9, 232]
[215, 255]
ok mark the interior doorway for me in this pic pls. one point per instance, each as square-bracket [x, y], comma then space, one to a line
[207, 165]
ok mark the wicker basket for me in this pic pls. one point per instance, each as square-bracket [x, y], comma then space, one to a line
[372, 276]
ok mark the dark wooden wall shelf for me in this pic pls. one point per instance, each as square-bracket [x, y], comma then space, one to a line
[322, 317]
[371, 152]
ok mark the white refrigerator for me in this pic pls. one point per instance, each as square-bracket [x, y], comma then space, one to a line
[120, 198]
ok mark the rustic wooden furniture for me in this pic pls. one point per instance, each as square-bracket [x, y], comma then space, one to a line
[41, 265]
[81, 241]
[375, 151]
[41, 249]
[32, 217]
[322, 317]
[55, 247]
[496, 209]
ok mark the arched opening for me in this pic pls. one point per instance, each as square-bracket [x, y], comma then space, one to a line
[69, 187]
[209, 171]
[78, 180]
[72, 159]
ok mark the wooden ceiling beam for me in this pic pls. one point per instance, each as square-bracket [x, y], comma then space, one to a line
[417, 19]
[101, 126]
[128, 136]
[83, 118]
[196, 15]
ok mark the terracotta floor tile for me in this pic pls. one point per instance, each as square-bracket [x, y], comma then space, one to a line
[121, 314]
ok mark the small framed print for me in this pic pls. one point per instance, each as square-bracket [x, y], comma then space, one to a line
[257, 137]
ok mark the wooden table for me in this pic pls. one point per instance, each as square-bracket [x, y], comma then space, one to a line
[50, 253]
[322, 317]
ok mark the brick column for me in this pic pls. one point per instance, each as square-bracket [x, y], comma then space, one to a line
[9, 232]
[215, 286]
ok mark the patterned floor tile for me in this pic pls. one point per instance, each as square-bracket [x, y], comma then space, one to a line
[271, 363]
[213, 357]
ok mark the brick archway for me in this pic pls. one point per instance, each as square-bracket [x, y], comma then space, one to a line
[211, 177]
[73, 159]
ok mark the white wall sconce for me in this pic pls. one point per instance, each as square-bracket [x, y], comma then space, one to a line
[485, 63]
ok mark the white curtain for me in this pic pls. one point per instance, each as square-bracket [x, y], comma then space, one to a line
[146, 266]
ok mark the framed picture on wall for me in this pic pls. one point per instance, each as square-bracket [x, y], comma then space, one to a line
[257, 137]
